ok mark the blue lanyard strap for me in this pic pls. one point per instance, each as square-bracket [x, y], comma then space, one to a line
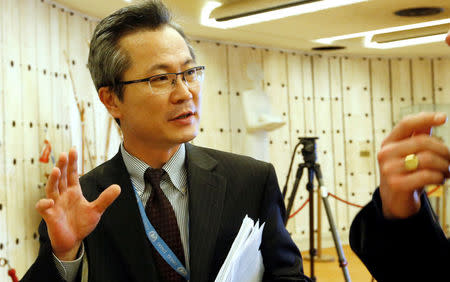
[159, 244]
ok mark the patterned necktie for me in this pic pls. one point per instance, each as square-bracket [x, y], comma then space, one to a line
[162, 217]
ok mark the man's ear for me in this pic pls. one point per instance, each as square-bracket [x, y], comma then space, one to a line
[111, 101]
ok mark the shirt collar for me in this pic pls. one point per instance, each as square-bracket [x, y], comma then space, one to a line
[175, 167]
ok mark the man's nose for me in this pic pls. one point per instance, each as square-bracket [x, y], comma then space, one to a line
[180, 89]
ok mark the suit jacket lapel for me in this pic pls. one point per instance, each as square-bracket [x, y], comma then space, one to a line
[123, 222]
[206, 195]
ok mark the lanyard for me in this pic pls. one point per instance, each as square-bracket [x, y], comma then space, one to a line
[159, 243]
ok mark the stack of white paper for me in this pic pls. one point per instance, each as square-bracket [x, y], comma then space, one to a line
[244, 261]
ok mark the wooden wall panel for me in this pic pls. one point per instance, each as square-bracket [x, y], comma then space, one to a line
[422, 81]
[275, 85]
[3, 188]
[77, 44]
[341, 188]
[215, 110]
[55, 50]
[295, 92]
[65, 83]
[238, 59]
[401, 86]
[297, 225]
[31, 126]
[14, 132]
[441, 73]
[87, 93]
[381, 103]
[358, 130]
[324, 129]
[44, 90]
[308, 94]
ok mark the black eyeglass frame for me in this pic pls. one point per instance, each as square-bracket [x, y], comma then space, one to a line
[202, 68]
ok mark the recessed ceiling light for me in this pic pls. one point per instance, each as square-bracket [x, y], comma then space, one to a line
[419, 12]
[368, 35]
[268, 14]
[328, 48]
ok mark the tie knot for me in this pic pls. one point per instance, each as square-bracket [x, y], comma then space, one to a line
[153, 175]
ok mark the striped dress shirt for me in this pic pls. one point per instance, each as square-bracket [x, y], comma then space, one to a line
[173, 184]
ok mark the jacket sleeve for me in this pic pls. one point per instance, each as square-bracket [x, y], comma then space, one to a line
[282, 259]
[412, 249]
[44, 268]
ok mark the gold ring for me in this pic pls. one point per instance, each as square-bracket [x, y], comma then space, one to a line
[411, 162]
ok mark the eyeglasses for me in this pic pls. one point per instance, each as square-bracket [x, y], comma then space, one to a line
[165, 83]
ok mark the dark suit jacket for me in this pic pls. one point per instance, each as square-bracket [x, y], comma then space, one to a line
[223, 188]
[412, 249]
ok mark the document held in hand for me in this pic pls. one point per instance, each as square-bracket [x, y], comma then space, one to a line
[244, 261]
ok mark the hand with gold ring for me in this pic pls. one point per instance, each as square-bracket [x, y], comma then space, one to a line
[409, 160]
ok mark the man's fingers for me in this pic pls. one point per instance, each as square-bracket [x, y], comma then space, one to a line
[415, 124]
[427, 161]
[416, 180]
[106, 198]
[43, 205]
[414, 145]
[51, 188]
[62, 165]
[72, 169]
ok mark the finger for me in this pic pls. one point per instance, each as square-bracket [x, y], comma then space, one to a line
[51, 188]
[416, 180]
[106, 198]
[414, 145]
[427, 161]
[72, 169]
[62, 165]
[415, 123]
[43, 205]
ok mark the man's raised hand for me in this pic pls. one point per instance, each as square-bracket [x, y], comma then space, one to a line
[68, 215]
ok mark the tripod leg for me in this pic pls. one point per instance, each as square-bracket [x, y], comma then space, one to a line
[336, 239]
[312, 250]
[298, 176]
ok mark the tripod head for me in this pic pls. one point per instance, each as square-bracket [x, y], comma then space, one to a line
[309, 149]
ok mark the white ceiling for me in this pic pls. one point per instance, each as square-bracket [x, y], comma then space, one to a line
[298, 32]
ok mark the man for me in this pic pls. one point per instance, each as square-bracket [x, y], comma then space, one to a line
[397, 235]
[195, 198]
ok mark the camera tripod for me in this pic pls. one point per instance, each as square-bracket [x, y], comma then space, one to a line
[309, 157]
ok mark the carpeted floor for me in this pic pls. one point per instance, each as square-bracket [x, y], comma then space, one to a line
[331, 272]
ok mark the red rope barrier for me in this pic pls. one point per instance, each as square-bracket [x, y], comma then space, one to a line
[344, 201]
[348, 203]
[297, 211]
[434, 190]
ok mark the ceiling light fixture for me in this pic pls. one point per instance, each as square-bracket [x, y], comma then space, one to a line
[268, 14]
[368, 35]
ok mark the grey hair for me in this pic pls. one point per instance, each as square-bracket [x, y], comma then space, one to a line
[107, 62]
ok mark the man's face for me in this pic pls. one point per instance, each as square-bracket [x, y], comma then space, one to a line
[152, 119]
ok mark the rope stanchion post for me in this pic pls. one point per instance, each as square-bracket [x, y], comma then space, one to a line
[11, 271]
